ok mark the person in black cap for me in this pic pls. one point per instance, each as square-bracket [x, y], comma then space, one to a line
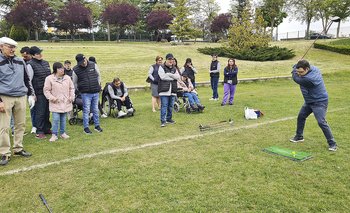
[68, 68]
[40, 69]
[92, 58]
[189, 69]
[214, 72]
[167, 88]
[87, 80]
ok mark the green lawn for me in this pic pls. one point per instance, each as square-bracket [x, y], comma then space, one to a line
[134, 165]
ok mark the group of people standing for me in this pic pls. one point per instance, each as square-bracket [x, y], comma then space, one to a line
[166, 78]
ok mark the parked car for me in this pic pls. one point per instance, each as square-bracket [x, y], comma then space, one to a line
[314, 36]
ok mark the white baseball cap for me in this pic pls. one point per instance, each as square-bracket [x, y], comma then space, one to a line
[6, 40]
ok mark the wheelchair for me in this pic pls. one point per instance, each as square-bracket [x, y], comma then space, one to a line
[110, 107]
[182, 102]
[78, 107]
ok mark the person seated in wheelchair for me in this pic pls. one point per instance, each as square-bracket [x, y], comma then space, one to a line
[185, 84]
[119, 94]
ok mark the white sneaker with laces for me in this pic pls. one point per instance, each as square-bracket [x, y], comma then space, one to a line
[121, 114]
[104, 116]
[212, 99]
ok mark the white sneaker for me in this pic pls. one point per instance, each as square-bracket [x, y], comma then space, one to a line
[212, 99]
[130, 111]
[121, 114]
[216, 99]
[104, 116]
[33, 130]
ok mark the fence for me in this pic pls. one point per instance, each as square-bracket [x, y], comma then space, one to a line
[297, 35]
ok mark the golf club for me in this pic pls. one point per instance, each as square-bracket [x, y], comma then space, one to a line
[201, 126]
[44, 201]
[335, 19]
[216, 125]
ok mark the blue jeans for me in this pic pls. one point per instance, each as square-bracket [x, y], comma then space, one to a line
[214, 86]
[167, 103]
[319, 109]
[192, 98]
[90, 100]
[58, 118]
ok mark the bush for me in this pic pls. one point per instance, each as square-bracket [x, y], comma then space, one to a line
[168, 38]
[343, 49]
[18, 33]
[158, 38]
[216, 40]
[261, 54]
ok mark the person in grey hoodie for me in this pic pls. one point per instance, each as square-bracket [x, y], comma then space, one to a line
[14, 86]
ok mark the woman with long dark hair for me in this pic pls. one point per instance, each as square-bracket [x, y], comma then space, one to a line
[189, 69]
[230, 81]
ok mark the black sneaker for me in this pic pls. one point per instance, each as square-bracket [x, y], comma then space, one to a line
[333, 147]
[22, 153]
[171, 121]
[162, 124]
[25, 133]
[98, 129]
[87, 130]
[223, 105]
[200, 107]
[4, 160]
[297, 139]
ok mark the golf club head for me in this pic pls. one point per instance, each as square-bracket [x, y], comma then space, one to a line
[335, 19]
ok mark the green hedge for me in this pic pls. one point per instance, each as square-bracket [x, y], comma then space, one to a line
[334, 48]
[263, 54]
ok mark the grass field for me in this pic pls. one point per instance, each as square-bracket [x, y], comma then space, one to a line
[136, 166]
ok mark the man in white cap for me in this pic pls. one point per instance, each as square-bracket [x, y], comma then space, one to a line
[14, 86]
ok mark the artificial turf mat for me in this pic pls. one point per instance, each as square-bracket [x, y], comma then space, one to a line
[287, 153]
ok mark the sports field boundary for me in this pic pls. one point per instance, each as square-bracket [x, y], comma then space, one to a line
[208, 133]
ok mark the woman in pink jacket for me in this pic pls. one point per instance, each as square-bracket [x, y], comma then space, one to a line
[59, 90]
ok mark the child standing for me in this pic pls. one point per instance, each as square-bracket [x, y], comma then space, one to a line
[230, 80]
[59, 90]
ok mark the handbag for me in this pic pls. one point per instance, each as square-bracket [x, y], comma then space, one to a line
[249, 113]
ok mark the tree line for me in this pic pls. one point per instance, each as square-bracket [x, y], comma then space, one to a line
[185, 18]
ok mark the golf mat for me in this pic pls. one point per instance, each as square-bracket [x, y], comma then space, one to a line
[287, 153]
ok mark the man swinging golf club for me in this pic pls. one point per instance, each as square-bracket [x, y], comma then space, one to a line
[316, 100]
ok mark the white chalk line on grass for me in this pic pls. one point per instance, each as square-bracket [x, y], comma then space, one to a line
[152, 144]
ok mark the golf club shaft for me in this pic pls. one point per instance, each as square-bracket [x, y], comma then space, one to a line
[215, 127]
[330, 23]
[44, 201]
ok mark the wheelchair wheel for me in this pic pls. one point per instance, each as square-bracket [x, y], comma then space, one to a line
[176, 107]
[73, 121]
[188, 110]
[106, 105]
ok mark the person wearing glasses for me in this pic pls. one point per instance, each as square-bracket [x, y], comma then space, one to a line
[153, 75]
[14, 86]
[59, 90]
[316, 101]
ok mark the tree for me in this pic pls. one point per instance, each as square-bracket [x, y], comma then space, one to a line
[305, 11]
[158, 20]
[121, 15]
[209, 9]
[182, 25]
[273, 12]
[74, 16]
[5, 28]
[340, 8]
[18, 33]
[221, 24]
[31, 14]
[248, 30]
[237, 7]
